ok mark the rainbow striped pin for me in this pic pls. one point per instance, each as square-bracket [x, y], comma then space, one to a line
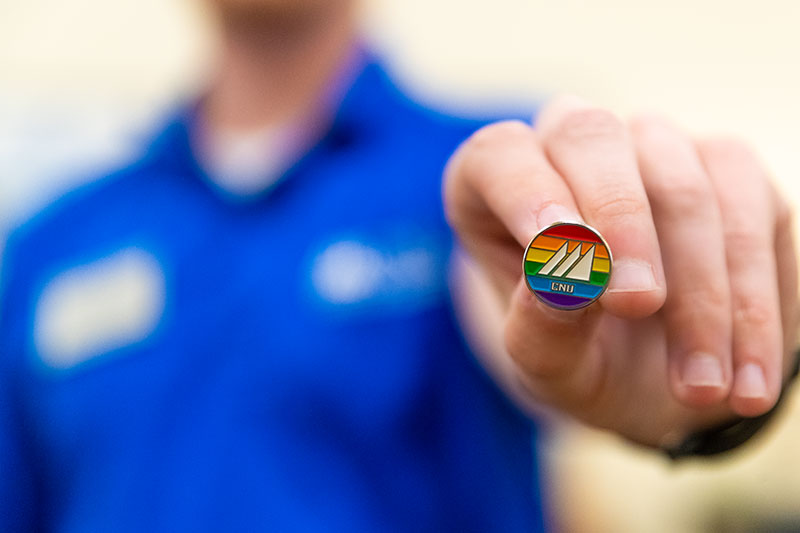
[567, 266]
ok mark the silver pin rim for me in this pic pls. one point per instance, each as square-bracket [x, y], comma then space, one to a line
[588, 301]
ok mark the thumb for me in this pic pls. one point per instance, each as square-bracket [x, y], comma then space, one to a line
[556, 351]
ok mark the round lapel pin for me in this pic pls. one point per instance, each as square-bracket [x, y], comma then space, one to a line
[567, 265]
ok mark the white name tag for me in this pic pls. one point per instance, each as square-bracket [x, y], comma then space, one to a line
[92, 309]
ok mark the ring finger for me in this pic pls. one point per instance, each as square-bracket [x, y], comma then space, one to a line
[689, 223]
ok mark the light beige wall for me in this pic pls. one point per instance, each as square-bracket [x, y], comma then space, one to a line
[713, 65]
[127, 50]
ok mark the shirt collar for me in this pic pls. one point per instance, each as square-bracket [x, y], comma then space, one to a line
[358, 116]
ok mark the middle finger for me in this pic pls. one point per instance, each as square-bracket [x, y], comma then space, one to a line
[591, 149]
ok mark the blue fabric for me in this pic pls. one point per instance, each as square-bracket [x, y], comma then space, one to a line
[268, 398]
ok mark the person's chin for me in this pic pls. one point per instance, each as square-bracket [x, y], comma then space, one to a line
[274, 8]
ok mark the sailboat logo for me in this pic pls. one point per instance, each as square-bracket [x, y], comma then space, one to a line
[567, 266]
[573, 266]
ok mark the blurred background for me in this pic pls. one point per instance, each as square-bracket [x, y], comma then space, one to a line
[82, 82]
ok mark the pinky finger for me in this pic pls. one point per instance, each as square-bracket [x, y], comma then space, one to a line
[749, 221]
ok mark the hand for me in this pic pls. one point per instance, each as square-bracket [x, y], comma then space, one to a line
[698, 323]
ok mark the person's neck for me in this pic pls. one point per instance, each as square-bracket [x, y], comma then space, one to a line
[275, 72]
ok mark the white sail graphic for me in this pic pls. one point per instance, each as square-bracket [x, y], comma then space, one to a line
[573, 266]
[568, 262]
[583, 270]
[554, 261]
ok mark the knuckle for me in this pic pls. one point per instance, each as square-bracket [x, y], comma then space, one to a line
[534, 365]
[491, 149]
[725, 146]
[709, 299]
[499, 133]
[518, 346]
[534, 361]
[587, 124]
[655, 134]
[649, 123]
[745, 239]
[750, 311]
[618, 205]
[700, 315]
[683, 194]
[732, 155]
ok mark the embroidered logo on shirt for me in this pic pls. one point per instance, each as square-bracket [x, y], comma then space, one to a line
[353, 272]
[94, 308]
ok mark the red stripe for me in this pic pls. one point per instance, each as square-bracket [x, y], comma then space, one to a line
[572, 231]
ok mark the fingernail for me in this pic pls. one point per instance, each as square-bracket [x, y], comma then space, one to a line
[702, 370]
[632, 275]
[750, 382]
[556, 213]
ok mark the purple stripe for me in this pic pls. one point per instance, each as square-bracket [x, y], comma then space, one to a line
[563, 300]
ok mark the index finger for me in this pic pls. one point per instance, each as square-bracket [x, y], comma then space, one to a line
[500, 190]
[591, 149]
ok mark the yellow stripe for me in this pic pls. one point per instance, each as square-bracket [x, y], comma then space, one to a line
[600, 265]
[540, 256]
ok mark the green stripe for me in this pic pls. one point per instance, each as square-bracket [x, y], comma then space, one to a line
[532, 267]
[598, 278]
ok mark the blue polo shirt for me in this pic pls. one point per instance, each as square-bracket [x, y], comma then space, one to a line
[175, 359]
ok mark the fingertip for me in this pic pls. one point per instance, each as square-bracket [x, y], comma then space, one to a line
[635, 290]
[649, 122]
[557, 105]
[700, 380]
[751, 395]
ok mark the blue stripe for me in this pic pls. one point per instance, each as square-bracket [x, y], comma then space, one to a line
[583, 290]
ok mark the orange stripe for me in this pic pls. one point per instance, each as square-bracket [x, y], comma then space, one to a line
[548, 243]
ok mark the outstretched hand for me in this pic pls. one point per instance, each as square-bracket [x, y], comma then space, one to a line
[699, 319]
